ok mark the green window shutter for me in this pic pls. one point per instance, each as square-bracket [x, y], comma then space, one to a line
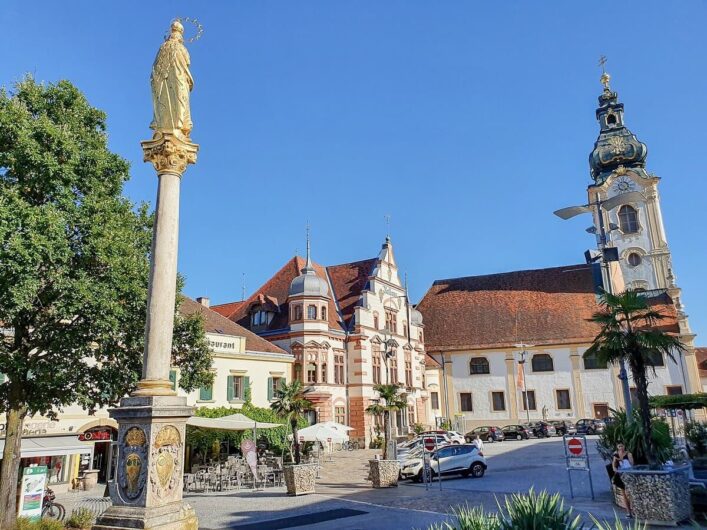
[270, 389]
[206, 393]
[229, 387]
[173, 379]
[246, 387]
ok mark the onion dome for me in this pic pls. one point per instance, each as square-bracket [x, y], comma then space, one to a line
[616, 145]
[308, 283]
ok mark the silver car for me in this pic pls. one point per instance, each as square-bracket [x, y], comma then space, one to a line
[463, 459]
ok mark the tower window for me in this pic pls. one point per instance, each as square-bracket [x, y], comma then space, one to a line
[628, 219]
[312, 312]
[634, 259]
[323, 312]
[611, 119]
[298, 312]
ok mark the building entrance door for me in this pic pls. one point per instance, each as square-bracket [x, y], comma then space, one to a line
[601, 411]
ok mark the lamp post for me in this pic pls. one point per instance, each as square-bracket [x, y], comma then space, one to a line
[601, 207]
[524, 390]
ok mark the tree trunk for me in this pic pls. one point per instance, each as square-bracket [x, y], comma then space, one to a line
[11, 466]
[386, 433]
[295, 437]
[639, 377]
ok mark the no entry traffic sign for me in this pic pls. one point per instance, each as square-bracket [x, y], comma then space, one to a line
[575, 446]
[429, 444]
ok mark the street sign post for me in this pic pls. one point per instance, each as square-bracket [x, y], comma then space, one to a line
[577, 459]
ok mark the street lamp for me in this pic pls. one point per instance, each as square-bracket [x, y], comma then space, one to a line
[607, 205]
[521, 363]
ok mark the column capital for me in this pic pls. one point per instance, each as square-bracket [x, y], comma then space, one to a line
[169, 152]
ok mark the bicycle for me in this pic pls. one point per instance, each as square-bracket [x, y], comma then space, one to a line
[350, 446]
[51, 509]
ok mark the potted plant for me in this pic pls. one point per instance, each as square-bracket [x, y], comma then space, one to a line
[630, 332]
[291, 403]
[81, 519]
[384, 472]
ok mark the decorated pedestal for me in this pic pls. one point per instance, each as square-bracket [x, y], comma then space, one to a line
[148, 488]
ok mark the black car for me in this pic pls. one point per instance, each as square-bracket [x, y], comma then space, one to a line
[590, 426]
[516, 432]
[487, 433]
[542, 429]
[564, 427]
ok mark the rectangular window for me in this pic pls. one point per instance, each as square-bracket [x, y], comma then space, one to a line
[465, 402]
[411, 416]
[655, 359]
[394, 371]
[434, 399]
[391, 321]
[340, 415]
[324, 374]
[376, 368]
[339, 369]
[528, 396]
[674, 390]
[592, 362]
[206, 393]
[563, 399]
[498, 401]
[236, 387]
[311, 373]
[408, 373]
[274, 384]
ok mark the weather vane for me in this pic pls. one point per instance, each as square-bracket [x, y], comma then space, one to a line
[197, 25]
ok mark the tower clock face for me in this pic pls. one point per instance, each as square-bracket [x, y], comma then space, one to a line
[623, 185]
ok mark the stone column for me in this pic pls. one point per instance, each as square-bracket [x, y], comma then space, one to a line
[152, 421]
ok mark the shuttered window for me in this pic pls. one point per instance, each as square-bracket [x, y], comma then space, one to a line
[206, 393]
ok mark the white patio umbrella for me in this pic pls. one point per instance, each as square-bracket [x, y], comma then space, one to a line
[337, 426]
[320, 432]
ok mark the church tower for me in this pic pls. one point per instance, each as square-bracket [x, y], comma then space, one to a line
[618, 165]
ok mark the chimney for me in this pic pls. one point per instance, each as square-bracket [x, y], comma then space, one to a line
[204, 300]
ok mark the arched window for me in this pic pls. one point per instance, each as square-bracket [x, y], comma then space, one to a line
[323, 312]
[542, 362]
[628, 219]
[634, 259]
[312, 312]
[479, 365]
[592, 362]
[298, 312]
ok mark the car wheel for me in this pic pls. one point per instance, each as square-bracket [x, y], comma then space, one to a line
[418, 478]
[477, 470]
[519, 437]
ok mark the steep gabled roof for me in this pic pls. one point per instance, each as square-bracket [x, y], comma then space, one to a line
[539, 307]
[348, 281]
[216, 323]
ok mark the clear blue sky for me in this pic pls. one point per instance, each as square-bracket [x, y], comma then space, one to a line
[467, 122]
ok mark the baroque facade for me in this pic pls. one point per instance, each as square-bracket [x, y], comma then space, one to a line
[349, 327]
[482, 328]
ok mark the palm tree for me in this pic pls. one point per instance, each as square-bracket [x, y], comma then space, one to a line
[393, 400]
[629, 331]
[291, 403]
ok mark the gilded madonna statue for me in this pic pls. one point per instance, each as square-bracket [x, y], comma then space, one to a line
[171, 83]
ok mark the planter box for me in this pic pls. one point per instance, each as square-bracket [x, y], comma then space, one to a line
[659, 497]
[300, 479]
[384, 473]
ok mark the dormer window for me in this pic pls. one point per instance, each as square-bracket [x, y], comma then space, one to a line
[260, 317]
[298, 312]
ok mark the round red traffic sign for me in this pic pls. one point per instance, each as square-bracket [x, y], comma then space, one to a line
[575, 446]
[429, 444]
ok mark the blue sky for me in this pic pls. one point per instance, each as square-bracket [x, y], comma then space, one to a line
[467, 122]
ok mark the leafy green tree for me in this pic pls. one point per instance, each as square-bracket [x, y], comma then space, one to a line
[74, 263]
[291, 403]
[630, 331]
[393, 400]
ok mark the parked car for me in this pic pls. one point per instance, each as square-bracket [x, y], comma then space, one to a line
[453, 436]
[487, 433]
[590, 426]
[564, 427]
[543, 429]
[516, 432]
[403, 449]
[463, 459]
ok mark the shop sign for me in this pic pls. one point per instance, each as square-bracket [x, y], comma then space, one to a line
[34, 428]
[96, 435]
[32, 492]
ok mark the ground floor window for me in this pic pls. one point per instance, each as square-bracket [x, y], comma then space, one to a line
[528, 397]
[411, 415]
[434, 399]
[563, 399]
[465, 402]
[340, 415]
[57, 469]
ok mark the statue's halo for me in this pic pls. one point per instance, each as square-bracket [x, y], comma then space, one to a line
[197, 25]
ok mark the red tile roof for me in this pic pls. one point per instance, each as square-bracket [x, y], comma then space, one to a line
[348, 280]
[227, 309]
[539, 307]
[701, 354]
[216, 323]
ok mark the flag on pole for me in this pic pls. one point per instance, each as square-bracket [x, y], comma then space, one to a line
[521, 377]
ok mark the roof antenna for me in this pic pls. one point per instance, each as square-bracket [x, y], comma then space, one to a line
[243, 288]
[387, 227]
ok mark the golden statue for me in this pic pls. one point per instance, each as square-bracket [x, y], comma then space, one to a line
[171, 83]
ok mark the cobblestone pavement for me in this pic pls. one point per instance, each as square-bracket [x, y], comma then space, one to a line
[345, 500]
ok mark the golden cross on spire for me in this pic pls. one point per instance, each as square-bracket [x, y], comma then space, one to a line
[605, 78]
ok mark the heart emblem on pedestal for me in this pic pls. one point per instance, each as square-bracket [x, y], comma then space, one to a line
[164, 467]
